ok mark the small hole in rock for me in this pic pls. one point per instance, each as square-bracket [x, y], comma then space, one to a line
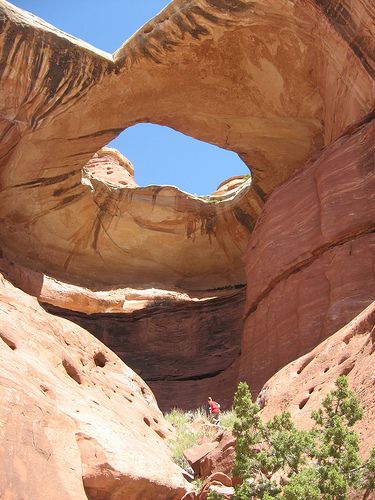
[160, 433]
[100, 359]
[305, 363]
[347, 369]
[72, 371]
[128, 399]
[326, 369]
[156, 420]
[8, 341]
[147, 421]
[303, 403]
[311, 390]
[342, 360]
[44, 388]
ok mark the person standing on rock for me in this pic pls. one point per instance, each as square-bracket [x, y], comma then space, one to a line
[214, 409]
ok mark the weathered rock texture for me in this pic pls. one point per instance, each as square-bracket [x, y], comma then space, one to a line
[301, 386]
[216, 456]
[111, 167]
[75, 421]
[183, 349]
[311, 258]
[274, 82]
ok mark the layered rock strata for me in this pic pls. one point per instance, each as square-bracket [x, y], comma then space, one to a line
[311, 257]
[184, 350]
[306, 79]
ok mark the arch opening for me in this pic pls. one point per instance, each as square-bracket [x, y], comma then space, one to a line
[163, 156]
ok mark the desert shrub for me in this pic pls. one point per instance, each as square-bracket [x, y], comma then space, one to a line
[191, 427]
[186, 434]
[214, 495]
[177, 418]
[227, 419]
[276, 460]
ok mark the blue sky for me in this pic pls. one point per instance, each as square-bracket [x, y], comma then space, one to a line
[160, 155]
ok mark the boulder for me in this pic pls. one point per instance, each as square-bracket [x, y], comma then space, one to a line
[213, 483]
[74, 418]
[220, 459]
[221, 478]
[215, 457]
[196, 453]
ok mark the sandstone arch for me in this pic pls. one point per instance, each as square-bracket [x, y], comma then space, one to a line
[290, 87]
[72, 99]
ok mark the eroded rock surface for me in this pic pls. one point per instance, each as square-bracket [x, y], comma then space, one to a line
[302, 385]
[183, 349]
[306, 79]
[311, 258]
[274, 82]
[72, 412]
[111, 167]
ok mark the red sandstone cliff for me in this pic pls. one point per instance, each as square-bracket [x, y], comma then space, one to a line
[157, 273]
[75, 421]
[311, 257]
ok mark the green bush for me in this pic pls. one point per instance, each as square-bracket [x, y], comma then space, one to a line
[186, 435]
[213, 495]
[276, 460]
[190, 428]
[227, 419]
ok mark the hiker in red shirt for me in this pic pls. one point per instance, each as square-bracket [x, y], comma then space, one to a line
[214, 411]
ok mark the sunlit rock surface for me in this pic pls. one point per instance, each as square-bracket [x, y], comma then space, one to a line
[274, 107]
[75, 420]
[273, 81]
[311, 258]
[301, 386]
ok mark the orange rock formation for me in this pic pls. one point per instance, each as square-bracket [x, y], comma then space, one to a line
[158, 274]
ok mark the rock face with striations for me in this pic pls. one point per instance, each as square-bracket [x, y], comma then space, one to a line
[301, 385]
[311, 257]
[155, 273]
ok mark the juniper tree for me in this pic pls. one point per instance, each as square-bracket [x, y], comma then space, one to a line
[275, 459]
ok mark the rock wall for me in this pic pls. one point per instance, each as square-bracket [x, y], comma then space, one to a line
[311, 257]
[273, 81]
[301, 386]
[184, 350]
[76, 422]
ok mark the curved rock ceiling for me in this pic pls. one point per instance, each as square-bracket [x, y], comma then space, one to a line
[273, 81]
[161, 276]
[254, 77]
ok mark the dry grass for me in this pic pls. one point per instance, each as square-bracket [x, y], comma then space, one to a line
[193, 427]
